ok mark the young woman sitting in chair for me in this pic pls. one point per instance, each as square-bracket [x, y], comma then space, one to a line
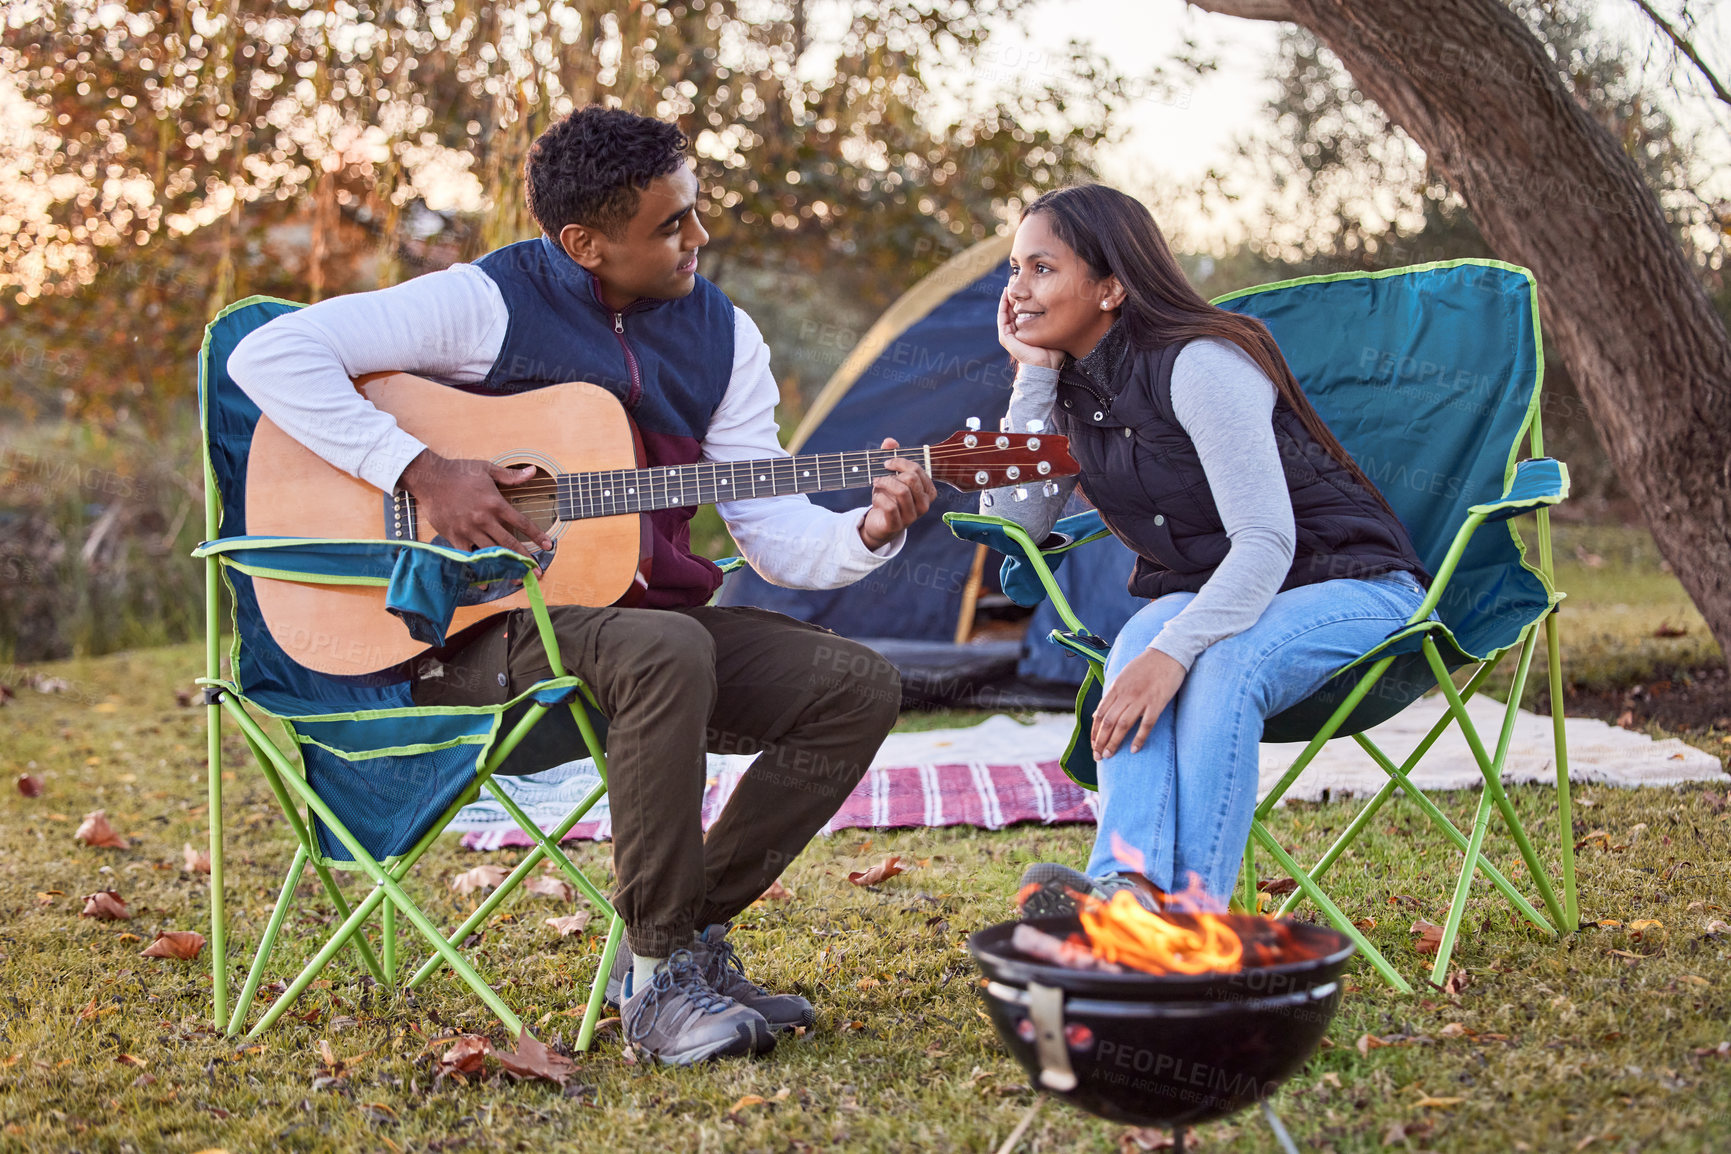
[1269, 559]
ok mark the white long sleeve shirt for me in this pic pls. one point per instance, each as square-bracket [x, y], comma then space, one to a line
[450, 326]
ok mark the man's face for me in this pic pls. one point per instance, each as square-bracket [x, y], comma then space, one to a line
[654, 254]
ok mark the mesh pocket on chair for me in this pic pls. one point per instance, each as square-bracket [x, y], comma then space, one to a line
[387, 802]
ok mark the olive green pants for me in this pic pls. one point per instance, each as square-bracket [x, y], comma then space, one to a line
[675, 684]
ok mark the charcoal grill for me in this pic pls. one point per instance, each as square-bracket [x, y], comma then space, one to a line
[1166, 1050]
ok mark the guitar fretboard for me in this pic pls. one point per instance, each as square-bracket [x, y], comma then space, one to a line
[610, 493]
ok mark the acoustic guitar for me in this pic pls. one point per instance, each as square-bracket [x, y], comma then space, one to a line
[590, 493]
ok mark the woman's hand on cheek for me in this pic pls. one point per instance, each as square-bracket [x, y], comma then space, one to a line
[1025, 353]
[1138, 695]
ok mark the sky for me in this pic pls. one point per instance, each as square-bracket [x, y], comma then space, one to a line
[1169, 145]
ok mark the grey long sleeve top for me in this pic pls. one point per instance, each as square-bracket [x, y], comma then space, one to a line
[1226, 405]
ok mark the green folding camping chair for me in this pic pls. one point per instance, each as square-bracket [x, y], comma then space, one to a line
[1430, 377]
[378, 778]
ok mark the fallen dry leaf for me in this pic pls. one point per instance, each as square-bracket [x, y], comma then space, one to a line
[1277, 886]
[95, 831]
[107, 906]
[570, 923]
[531, 1059]
[181, 945]
[1453, 1030]
[1430, 936]
[1666, 629]
[467, 1056]
[29, 785]
[483, 877]
[888, 868]
[132, 1060]
[776, 893]
[1456, 982]
[1143, 1138]
[1369, 1042]
[550, 887]
[197, 860]
[1401, 1133]
[1716, 926]
[745, 1103]
[1427, 1100]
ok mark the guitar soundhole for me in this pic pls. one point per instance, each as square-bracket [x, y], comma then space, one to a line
[537, 498]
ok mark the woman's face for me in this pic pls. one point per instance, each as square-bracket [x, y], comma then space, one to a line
[1056, 300]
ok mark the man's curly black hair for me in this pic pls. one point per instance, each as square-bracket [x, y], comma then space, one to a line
[590, 167]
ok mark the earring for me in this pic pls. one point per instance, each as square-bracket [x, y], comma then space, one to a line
[1104, 307]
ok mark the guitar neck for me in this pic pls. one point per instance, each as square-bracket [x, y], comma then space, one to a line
[613, 492]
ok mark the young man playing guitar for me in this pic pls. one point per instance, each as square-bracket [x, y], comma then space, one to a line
[610, 294]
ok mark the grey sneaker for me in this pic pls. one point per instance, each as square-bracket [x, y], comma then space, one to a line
[725, 974]
[679, 1020]
[1050, 890]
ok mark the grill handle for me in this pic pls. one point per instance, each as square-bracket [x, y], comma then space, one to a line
[1046, 1011]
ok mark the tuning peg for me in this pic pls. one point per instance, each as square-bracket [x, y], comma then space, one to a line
[1021, 493]
[986, 500]
[973, 424]
[1049, 489]
[1036, 426]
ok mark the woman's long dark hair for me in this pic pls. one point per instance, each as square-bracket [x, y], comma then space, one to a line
[1115, 235]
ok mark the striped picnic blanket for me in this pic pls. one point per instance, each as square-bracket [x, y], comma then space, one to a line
[982, 776]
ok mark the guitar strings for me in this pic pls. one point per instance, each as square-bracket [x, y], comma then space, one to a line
[774, 465]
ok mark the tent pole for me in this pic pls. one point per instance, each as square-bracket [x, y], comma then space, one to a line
[970, 596]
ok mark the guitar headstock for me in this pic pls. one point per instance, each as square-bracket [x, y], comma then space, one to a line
[974, 460]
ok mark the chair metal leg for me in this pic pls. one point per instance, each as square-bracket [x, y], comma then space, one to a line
[507, 887]
[273, 775]
[213, 768]
[1494, 787]
[1565, 807]
[357, 918]
[1398, 777]
[1327, 906]
[385, 887]
[267, 945]
[598, 990]
[388, 943]
[1247, 888]
[1481, 819]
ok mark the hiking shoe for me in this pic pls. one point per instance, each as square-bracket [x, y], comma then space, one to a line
[725, 974]
[1050, 890]
[679, 1020]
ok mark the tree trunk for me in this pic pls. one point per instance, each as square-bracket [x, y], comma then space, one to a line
[1551, 189]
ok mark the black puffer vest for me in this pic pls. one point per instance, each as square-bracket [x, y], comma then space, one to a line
[1141, 470]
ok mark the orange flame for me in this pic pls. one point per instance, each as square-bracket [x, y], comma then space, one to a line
[1122, 931]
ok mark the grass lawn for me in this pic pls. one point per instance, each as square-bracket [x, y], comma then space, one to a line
[1612, 1039]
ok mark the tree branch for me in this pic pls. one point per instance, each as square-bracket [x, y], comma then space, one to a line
[1248, 9]
[1686, 49]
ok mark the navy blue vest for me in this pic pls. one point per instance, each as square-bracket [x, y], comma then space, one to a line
[1141, 470]
[668, 361]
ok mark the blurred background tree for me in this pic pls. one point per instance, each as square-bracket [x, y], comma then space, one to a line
[162, 159]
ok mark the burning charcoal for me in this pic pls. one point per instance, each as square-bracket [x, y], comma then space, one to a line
[1058, 952]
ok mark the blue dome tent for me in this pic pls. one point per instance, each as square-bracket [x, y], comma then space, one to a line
[929, 363]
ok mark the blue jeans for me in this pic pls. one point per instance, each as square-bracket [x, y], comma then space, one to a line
[1184, 802]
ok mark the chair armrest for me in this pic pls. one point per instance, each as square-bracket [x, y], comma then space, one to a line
[346, 561]
[1538, 481]
[424, 583]
[1027, 576]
